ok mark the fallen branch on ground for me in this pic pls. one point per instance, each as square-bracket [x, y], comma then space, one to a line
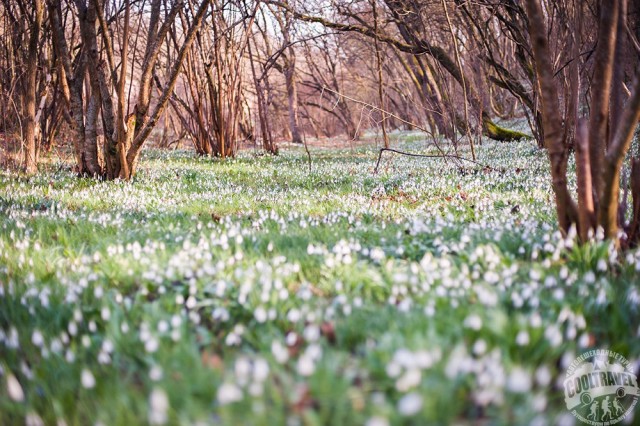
[411, 154]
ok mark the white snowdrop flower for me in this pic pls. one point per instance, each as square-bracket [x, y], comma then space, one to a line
[151, 345]
[346, 310]
[602, 265]
[567, 359]
[410, 404]
[87, 379]
[283, 294]
[291, 338]
[13, 340]
[377, 254]
[92, 326]
[429, 311]
[543, 376]
[158, 407]
[107, 346]
[404, 357]
[314, 351]
[37, 339]
[179, 299]
[242, 369]
[14, 389]
[539, 403]
[163, 326]
[377, 421]
[480, 347]
[473, 322]
[409, 380]
[124, 328]
[155, 373]
[534, 274]
[491, 277]
[175, 335]
[176, 321]
[260, 370]
[232, 339]
[590, 277]
[260, 314]
[553, 335]
[26, 371]
[33, 419]
[311, 333]
[72, 328]
[105, 313]
[558, 294]
[103, 358]
[293, 315]
[305, 365]
[220, 314]
[69, 356]
[191, 302]
[522, 338]
[86, 341]
[565, 419]
[584, 340]
[393, 369]
[56, 346]
[256, 389]
[98, 292]
[280, 352]
[536, 320]
[229, 393]
[519, 381]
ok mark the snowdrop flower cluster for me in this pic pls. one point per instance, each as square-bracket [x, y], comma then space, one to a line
[248, 281]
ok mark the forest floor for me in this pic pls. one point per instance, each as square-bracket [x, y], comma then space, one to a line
[260, 291]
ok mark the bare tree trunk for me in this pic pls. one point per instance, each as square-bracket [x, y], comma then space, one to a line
[30, 89]
[71, 81]
[605, 52]
[383, 124]
[292, 96]
[552, 122]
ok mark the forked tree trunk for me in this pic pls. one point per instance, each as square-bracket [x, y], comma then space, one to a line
[601, 152]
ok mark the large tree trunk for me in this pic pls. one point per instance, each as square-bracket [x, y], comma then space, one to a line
[552, 122]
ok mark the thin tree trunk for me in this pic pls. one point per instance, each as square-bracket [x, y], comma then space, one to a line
[30, 89]
[383, 124]
[292, 96]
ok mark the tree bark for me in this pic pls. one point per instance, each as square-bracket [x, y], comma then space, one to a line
[552, 122]
[292, 96]
[30, 89]
[605, 52]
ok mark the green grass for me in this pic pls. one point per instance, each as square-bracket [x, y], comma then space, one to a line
[254, 291]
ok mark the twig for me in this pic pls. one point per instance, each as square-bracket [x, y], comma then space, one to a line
[389, 114]
[411, 154]
[306, 148]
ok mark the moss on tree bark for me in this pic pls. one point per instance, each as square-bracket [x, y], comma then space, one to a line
[498, 133]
